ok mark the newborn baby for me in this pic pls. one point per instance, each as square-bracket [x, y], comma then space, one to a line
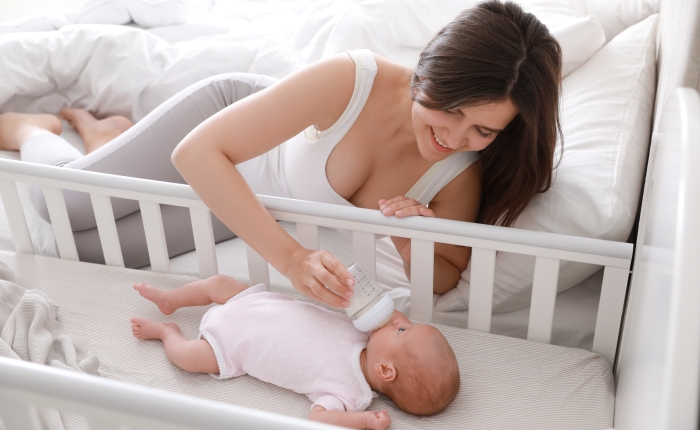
[308, 349]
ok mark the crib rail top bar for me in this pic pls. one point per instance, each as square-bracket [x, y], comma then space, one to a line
[184, 195]
[136, 401]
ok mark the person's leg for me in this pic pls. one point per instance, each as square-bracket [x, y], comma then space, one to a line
[18, 128]
[143, 151]
[188, 355]
[95, 132]
[215, 289]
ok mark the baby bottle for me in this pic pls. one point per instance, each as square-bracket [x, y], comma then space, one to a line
[369, 308]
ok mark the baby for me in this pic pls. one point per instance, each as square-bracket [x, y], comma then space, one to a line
[308, 349]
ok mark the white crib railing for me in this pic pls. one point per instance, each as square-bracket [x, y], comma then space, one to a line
[113, 405]
[549, 249]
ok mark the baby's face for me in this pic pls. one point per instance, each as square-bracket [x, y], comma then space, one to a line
[397, 334]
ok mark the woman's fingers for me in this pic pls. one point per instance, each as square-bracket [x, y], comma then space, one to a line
[333, 273]
[402, 207]
[327, 296]
[321, 276]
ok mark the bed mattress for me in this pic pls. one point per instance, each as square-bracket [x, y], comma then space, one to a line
[506, 382]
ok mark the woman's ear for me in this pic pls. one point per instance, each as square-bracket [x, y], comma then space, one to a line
[385, 371]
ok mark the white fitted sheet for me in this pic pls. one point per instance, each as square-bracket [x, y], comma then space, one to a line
[506, 382]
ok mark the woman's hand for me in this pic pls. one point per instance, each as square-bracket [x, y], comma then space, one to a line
[402, 207]
[377, 420]
[320, 276]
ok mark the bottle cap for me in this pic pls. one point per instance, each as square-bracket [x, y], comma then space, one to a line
[376, 316]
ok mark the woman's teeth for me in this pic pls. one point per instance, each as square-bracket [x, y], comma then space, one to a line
[440, 143]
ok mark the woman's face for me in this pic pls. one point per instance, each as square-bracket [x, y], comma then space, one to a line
[440, 134]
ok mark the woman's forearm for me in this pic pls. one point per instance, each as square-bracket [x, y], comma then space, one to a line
[224, 190]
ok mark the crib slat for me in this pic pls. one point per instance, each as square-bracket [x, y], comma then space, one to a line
[18, 416]
[15, 216]
[544, 296]
[107, 230]
[364, 248]
[60, 223]
[483, 267]
[257, 267]
[204, 242]
[307, 234]
[422, 267]
[612, 300]
[155, 236]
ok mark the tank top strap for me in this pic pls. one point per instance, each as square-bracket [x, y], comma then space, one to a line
[365, 71]
[439, 175]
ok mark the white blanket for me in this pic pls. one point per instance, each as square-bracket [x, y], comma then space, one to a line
[30, 331]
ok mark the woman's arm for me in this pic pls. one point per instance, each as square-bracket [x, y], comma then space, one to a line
[207, 156]
[354, 420]
[459, 200]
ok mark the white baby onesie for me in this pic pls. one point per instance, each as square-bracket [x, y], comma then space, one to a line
[292, 344]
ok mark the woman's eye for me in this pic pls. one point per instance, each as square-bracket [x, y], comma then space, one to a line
[485, 135]
[401, 329]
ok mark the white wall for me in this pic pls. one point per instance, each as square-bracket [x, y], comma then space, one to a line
[11, 9]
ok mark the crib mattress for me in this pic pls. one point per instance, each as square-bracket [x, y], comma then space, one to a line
[506, 382]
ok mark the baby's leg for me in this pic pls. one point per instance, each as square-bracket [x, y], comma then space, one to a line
[188, 355]
[215, 289]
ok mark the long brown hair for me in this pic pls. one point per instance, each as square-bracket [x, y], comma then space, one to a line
[489, 54]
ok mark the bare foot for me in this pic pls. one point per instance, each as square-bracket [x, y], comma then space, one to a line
[16, 128]
[95, 132]
[157, 296]
[143, 328]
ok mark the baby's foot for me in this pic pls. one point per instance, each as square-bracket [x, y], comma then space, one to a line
[16, 128]
[157, 296]
[143, 328]
[95, 132]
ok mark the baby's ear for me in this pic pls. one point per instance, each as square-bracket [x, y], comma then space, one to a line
[385, 371]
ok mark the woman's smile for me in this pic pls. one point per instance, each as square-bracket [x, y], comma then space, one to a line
[437, 144]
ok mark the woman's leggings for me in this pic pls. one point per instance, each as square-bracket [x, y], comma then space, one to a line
[143, 151]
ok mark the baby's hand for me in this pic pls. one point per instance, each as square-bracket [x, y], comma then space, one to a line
[377, 420]
[402, 207]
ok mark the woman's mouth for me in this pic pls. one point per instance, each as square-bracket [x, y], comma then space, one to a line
[437, 144]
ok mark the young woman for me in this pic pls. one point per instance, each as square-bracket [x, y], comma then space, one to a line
[469, 135]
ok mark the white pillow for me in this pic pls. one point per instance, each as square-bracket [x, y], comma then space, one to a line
[400, 29]
[606, 119]
[617, 15]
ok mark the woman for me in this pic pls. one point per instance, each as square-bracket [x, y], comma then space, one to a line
[488, 83]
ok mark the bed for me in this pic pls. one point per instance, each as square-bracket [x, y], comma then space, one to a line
[107, 403]
[186, 41]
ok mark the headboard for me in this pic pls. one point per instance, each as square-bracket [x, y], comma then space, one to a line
[678, 48]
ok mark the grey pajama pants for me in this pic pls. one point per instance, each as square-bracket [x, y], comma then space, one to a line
[143, 151]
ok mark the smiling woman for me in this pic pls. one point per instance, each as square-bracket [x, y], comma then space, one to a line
[469, 134]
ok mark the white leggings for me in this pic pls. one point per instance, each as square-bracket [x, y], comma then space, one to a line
[143, 151]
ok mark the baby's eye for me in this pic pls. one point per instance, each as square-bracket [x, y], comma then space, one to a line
[401, 329]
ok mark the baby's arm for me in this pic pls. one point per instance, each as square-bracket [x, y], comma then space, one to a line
[356, 420]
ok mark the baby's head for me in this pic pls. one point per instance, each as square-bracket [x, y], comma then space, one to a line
[412, 364]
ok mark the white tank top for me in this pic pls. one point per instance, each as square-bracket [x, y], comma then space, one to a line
[296, 169]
